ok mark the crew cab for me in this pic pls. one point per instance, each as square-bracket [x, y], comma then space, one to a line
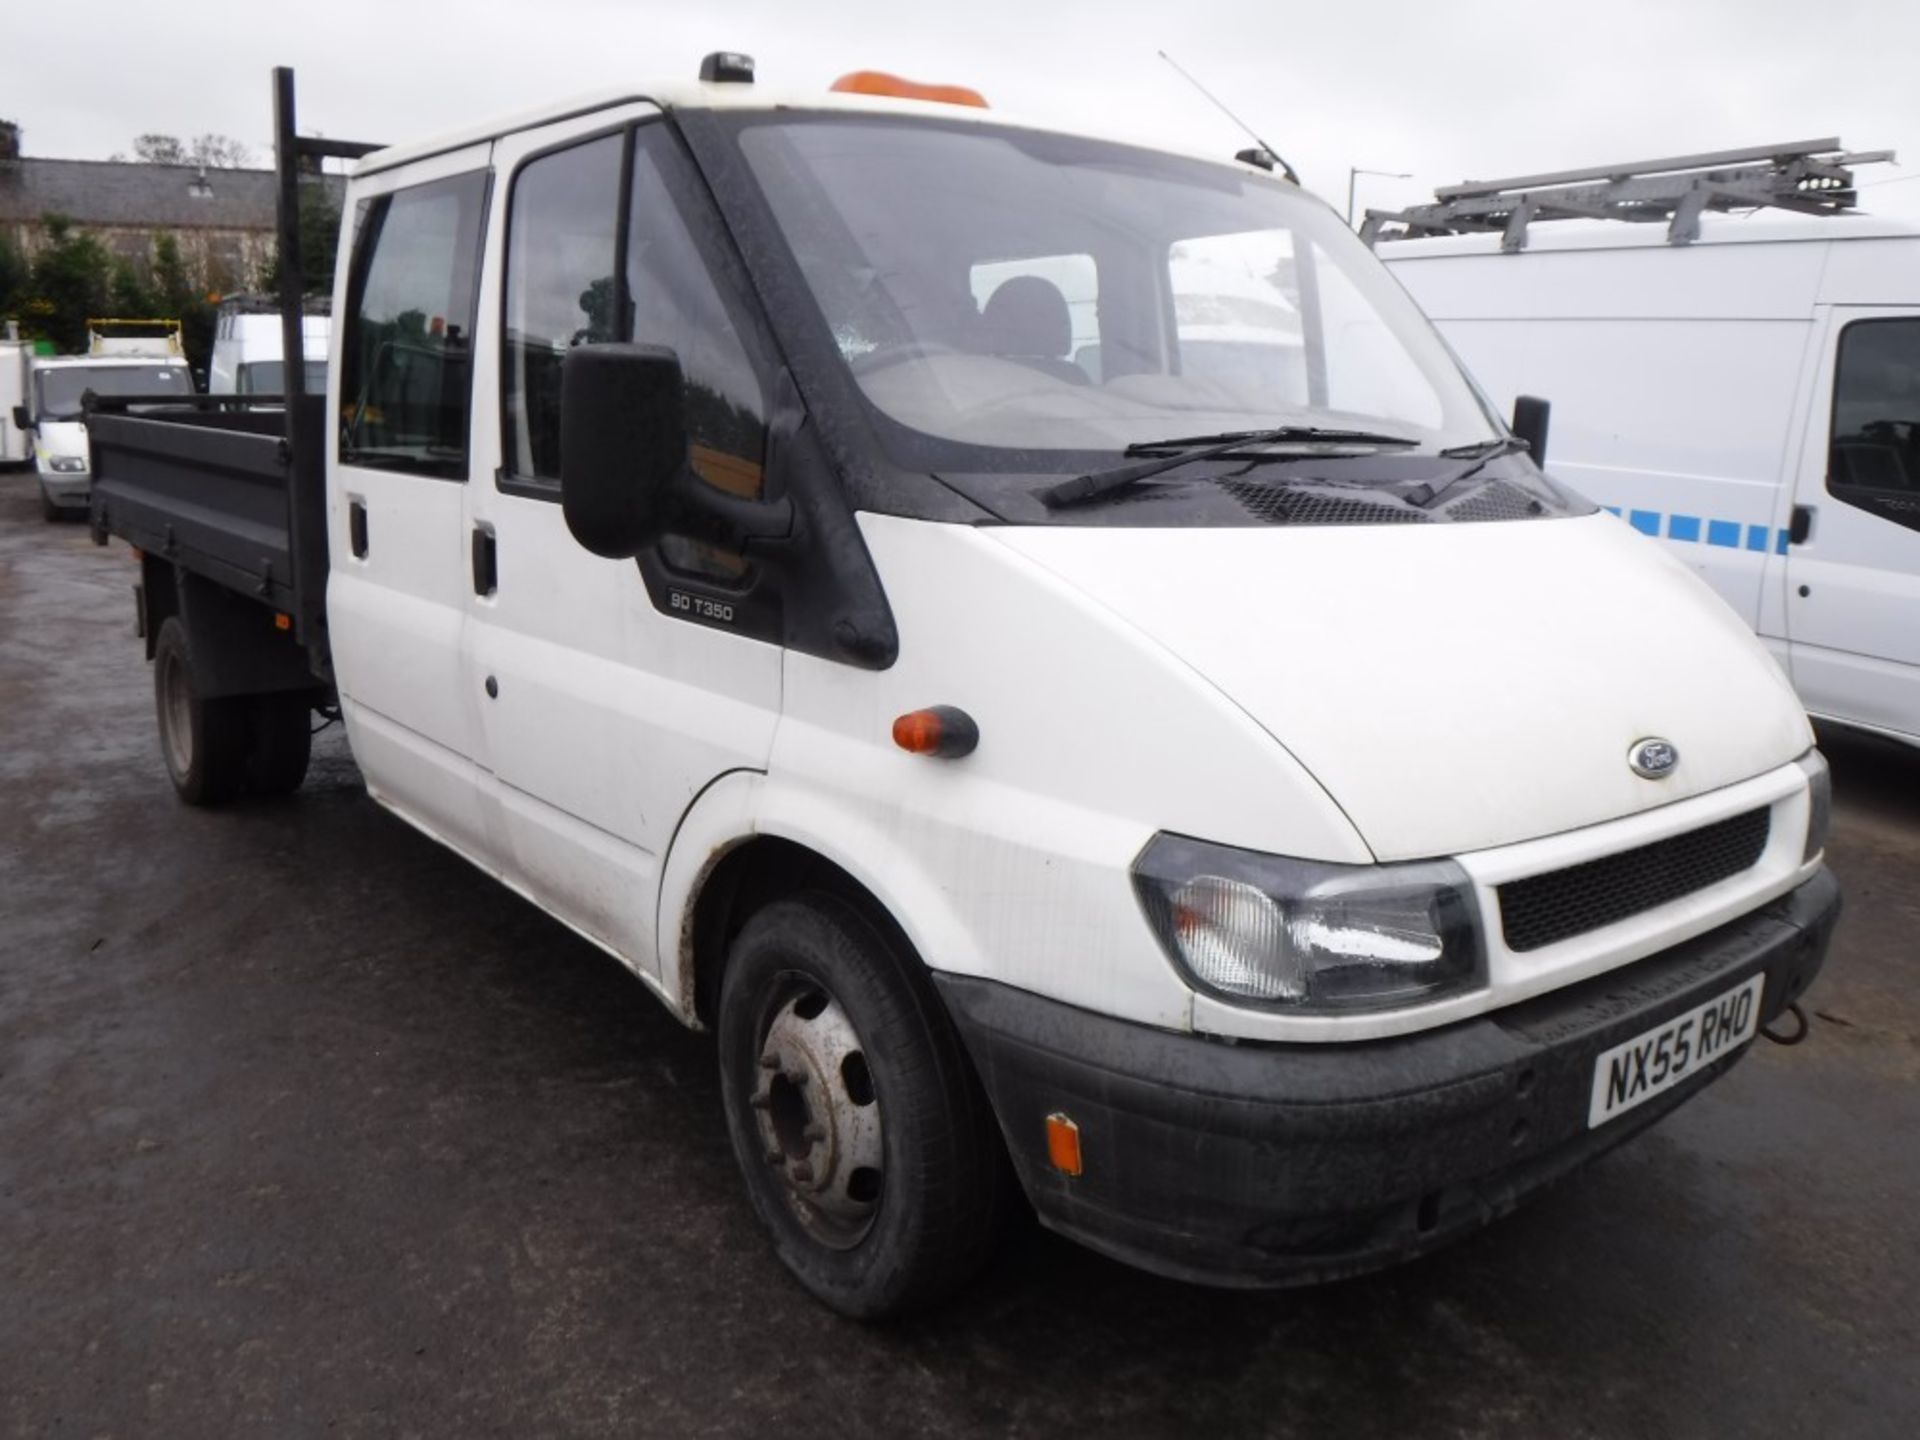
[1252, 811]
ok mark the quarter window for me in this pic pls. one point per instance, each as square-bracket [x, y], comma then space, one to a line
[1874, 460]
[406, 379]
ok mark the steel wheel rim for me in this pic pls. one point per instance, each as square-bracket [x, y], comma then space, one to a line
[817, 1115]
[176, 708]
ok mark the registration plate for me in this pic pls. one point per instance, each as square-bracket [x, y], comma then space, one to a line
[1634, 1072]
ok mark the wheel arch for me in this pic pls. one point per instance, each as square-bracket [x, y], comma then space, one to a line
[745, 844]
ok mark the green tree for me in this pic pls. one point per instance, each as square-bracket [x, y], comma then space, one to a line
[16, 279]
[72, 281]
[319, 239]
[173, 293]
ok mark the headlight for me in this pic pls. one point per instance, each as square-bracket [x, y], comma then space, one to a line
[1820, 806]
[69, 464]
[1310, 937]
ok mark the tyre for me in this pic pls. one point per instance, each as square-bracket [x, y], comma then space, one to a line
[279, 742]
[203, 741]
[869, 1150]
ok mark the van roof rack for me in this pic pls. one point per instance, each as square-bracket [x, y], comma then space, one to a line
[1810, 177]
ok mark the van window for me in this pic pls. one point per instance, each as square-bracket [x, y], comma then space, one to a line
[562, 259]
[1874, 462]
[406, 380]
[678, 303]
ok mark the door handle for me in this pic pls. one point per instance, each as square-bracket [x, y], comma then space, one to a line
[1800, 526]
[357, 528]
[486, 562]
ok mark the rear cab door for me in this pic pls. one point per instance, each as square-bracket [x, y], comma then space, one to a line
[1853, 569]
[399, 469]
[611, 692]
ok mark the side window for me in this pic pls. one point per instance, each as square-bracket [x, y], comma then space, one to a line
[406, 381]
[562, 260]
[676, 302]
[1874, 461]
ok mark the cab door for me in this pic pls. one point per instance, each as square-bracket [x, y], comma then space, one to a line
[1853, 564]
[399, 468]
[605, 709]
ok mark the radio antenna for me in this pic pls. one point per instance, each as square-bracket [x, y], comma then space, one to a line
[1273, 154]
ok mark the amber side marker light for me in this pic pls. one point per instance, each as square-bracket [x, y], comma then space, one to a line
[1063, 1144]
[878, 82]
[283, 622]
[943, 730]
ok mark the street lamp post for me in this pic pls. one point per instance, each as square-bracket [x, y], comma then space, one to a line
[1354, 172]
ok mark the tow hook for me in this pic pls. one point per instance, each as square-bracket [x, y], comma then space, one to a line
[1795, 1036]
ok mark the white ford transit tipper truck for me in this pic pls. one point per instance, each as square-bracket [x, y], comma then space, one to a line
[1255, 812]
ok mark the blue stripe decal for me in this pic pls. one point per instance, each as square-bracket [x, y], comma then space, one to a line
[1727, 534]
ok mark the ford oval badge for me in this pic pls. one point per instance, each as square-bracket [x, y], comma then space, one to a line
[1653, 758]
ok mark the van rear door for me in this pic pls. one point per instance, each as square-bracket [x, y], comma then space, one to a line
[1853, 569]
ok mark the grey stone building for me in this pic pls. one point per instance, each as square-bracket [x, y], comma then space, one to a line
[223, 219]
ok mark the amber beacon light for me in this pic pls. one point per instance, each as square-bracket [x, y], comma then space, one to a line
[878, 82]
[943, 730]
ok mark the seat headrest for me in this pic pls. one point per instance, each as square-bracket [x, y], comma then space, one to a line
[1027, 316]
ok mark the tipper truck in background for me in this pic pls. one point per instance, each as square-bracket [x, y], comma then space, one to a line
[124, 357]
[1253, 812]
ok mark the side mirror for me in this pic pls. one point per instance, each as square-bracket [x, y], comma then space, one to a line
[623, 444]
[21, 419]
[624, 476]
[1530, 414]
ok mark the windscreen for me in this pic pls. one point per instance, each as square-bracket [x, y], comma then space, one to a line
[1032, 292]
[60, 389]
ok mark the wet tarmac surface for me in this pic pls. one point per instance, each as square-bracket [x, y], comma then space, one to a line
[308, 1128]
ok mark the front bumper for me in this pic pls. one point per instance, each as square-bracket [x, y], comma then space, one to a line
[1263, 1165]
[70, 490]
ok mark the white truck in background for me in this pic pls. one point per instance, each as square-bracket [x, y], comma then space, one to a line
[1749, 397]
[125, 358]
[16, 443]
[248, 350]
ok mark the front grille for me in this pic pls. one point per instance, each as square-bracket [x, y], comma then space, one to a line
[1544, 909]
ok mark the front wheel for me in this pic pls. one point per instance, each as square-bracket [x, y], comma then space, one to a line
[868, 1147]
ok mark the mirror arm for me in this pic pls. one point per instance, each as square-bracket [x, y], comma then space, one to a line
[728, 517]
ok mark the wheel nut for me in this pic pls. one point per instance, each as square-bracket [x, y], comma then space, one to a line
[769, 1061]
[774, 1157]
[797, 1079]
[815, 1131]
[761, 1100]
[801, 1172]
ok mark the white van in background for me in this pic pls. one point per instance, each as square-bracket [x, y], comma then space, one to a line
[1751, 399]
[248, 350]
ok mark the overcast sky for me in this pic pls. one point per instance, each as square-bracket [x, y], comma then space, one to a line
[1470, 88]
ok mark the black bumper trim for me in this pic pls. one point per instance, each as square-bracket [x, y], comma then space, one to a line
[1247, 1164]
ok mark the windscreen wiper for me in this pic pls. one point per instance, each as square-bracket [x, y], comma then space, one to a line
[1480, 454]
[1082, 488]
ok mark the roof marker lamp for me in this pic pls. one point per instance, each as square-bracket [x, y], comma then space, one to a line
[1306, 937]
